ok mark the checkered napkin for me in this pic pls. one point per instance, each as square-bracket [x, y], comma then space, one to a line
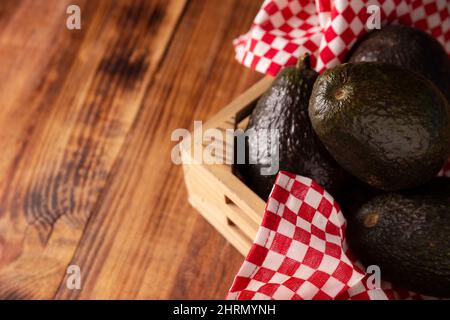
[285, 29]
[300, 251]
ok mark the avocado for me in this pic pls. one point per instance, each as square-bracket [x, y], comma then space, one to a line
[409, 48]
[407, 234]
[386, 125]
[284, 107]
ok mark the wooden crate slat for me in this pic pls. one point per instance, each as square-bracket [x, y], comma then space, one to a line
[220, 196]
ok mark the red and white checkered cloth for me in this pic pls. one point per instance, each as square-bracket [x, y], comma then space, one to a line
[285, 29]
[300, 251]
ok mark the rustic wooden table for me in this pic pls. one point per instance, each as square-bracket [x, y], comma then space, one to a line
[85, 123]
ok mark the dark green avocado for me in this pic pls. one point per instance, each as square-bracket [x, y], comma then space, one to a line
[407, 234]
[284, 107]
[409, 48]
[384, 124]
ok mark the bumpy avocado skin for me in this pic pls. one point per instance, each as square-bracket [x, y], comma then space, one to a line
[284, 107]
[407, 235]
[409, 48]
[386, 125]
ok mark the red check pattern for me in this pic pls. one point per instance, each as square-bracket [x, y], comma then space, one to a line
[300, 251]
[285, 29]
[445, 172]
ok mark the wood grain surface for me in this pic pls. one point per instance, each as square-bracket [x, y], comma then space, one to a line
[86, 118]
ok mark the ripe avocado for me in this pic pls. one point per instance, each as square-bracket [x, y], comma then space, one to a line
[407, 234]
[409, 48]
[384, 124]
[284, 107]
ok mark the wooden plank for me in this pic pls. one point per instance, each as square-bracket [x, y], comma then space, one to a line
[144, 240]
[214, 202]
[68, 100]
[218, 179]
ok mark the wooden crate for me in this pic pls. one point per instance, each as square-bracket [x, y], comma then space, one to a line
[213, 189]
